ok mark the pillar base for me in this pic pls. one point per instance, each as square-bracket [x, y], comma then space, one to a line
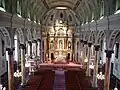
[23, 85]
[94, 88]
[94, 85]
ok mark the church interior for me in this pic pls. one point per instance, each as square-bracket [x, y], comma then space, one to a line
[59, 44]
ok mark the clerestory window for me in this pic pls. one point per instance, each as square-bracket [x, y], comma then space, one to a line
[2, 5]
[117, 6]
[102, 8]
[18, 8]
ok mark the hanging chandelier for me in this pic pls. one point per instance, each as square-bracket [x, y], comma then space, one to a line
[2, 88]
[115, 88]
[100, 76]
[116, 85]
[17, 74]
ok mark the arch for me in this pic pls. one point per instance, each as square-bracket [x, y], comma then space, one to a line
[99, 36]
[20, 35]
[85, 37]
[117, 37]
[81, 35]
[34, 34]
[91, 37]
[5, 32]
[29, 35]
[38, 33]
[112, 39]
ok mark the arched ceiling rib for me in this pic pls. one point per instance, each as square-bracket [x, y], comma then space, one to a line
[67, 3]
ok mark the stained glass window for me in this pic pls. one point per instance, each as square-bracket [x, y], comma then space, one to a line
[102, 8]
[2, 5]
[18, 8]
[117, 4]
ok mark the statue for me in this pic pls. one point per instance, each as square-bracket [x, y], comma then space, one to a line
[60, 44]
[69, 45]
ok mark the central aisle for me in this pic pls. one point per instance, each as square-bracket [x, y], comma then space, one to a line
[59, 81]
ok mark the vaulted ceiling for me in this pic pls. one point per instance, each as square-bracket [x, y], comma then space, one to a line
[67, 3]
[80, 7]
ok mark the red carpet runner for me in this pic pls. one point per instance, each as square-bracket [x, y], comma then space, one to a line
[59, 81]
[43, 80]
[77, 80]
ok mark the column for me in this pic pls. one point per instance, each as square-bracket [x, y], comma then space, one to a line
[10, 69]
[84, 51]
[38, 47]
[47, 45]
[30, 46]
[95, 72]
[34, 48]
[73, 47]
[89, 57]
[81, 52]
[22, 49]
[107, 69]
[42, 48]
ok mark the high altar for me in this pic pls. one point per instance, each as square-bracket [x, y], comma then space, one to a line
[59, 40]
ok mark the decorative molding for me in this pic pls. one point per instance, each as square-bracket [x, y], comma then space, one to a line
[76, 4]
[5, 19]
[114, 21]
[17, 22]
[45, 4]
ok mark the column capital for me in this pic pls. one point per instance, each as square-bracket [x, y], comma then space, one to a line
[10, 50]
[81, 40]
[38, 40]
[85, 42]
[30, 43]
[34, 41]
[97, 47]
[89, 44]
[109, 53]
[22, 46]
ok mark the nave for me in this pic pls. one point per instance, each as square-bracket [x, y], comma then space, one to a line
[59, 78]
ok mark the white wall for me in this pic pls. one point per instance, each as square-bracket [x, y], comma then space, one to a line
[3, 66]
[103, 54]
[116, 67]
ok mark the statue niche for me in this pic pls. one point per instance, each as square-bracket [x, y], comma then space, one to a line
[69, 45]
[60, 44]
[51, 45]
